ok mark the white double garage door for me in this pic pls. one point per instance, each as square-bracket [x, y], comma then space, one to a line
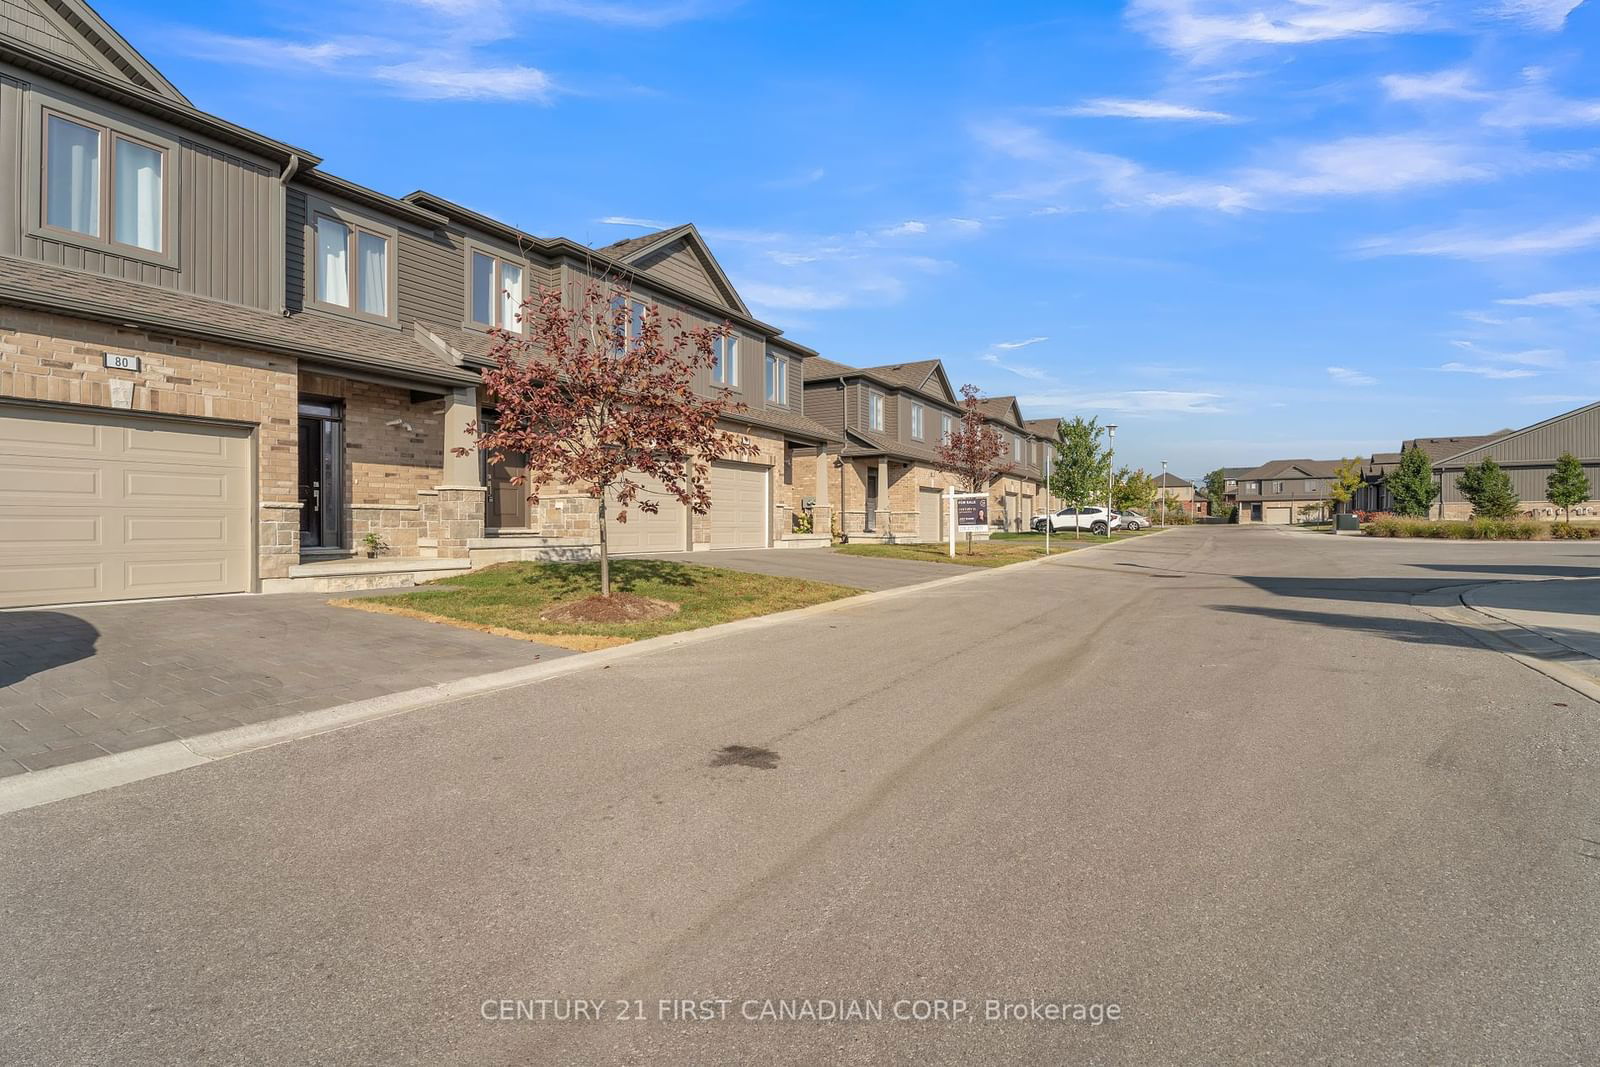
[95, 506]
[740, 506]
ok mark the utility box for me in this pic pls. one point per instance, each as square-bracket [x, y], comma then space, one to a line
[1346, 523]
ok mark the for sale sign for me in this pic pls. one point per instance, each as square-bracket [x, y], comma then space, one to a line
[972, 512]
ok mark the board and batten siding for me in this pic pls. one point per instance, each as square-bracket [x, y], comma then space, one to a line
[431, 271]
[1530, 483]
[1577, 432]
[12, 96]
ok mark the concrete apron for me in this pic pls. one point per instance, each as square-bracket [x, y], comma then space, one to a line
[106, 772]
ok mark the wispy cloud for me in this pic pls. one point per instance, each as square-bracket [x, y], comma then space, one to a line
[629, 220]
[1046, 169]
[1550, 15]
[1162, 110]
[1128, 402]
[1473, 243]
[1206, 29]
[1010, 346]
[1529, 357]
[1021, 370]
[426, 80]
[1529, 104]
[1486, 371]
[1561, 298]
[631, 16]
[909, 228]
[1439, 85]
[1347, 376]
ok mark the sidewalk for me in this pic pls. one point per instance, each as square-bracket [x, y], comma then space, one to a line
[1567, 611]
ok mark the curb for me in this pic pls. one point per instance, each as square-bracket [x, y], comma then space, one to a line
[1451, 605]
[35, 788]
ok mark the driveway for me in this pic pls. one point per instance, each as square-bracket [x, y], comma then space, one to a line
[76, 683]
[824, 565]
[1314, 825]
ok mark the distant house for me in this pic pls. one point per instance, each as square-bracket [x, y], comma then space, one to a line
[1170, 485]
[1374, 494]
[1274, 492]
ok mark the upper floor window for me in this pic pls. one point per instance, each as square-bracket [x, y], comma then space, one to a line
[1311, 486]
[1016, 449]
[725, 361]
[944, 427]
[916, 421]
[1277, 487]
[496, 291]
[352, 267]
[75, 180]
[777, 379]
[1253, 487]
[875, 411]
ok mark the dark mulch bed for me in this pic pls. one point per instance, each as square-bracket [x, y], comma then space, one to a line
[618, 607]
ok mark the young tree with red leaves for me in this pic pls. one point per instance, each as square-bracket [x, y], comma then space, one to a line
[600, 396]
[971, 450]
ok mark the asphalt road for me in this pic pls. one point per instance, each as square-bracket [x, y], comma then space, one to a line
[1227, 780]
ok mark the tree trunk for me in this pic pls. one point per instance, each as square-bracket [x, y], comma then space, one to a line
[605, 558]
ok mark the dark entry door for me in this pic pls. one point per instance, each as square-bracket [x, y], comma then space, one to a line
[321, 474]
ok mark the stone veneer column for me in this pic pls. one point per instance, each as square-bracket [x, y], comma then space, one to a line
[458, 507]
[821, 511]
[885, 516]
[279, 548]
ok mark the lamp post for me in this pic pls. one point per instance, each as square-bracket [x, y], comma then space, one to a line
[1111, 455]
[1163, 492]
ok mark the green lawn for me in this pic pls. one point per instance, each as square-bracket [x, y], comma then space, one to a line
[509, 597]
[998, 551]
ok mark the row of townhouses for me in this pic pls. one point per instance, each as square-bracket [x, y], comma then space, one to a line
[1275, 492]
[222, 366]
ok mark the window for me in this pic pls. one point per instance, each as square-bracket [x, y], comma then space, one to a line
[1016, 449]
[777, 379]
[1311, 486]
[916, 421]
[1277, 487]
[875, 410]
[352, 267]
[635, 314]
[1253, 487]
[944, 427]
[76, 173]
[496, 291]
[725, 361]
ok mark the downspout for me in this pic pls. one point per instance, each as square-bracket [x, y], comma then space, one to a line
[290, 169]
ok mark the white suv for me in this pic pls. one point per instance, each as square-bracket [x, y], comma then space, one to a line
[1091, 519]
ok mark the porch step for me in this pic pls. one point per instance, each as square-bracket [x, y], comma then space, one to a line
[338, 575]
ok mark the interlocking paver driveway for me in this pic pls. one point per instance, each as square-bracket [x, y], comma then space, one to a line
[76, 683]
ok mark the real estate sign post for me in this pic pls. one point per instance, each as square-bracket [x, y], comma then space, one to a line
[969, 513]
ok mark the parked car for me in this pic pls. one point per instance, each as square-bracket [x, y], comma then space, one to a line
[1133, 520]
[1091, 519]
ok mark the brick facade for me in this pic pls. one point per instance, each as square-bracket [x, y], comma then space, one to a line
[61, 359]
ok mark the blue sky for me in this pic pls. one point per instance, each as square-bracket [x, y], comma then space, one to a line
[1241, 229]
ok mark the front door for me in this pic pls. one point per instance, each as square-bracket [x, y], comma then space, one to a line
[872, 500]
[321, 474]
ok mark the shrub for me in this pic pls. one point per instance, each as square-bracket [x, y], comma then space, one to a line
[1455, 530]
[1569, 531]
[1179, 517]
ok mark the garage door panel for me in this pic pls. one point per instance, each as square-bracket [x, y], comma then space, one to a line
[667, 530]
[100, 506]
[930, 507]
[739, 505]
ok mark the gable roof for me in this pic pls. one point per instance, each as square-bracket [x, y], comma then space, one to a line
[1437, 448]
[1042, 427]
[1001, 409]
[924, 376]
[1282, 468]
[1172, 481]
[634, 249]
[1515, 435]
[74, 31]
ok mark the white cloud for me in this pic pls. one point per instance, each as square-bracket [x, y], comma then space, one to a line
[1033, 374]
[1530, 357]
[1530, 104]
[1043, 169]
[423, 80]
[631, 16]
[1013, 345]
[629, 220]
[1549, 15]
[1563, 298]
[1469, 243]
[1116, 108]
[1205, 29]
[909, 228]
[794, 297]
[1495, 373]
[1346, 376]
[1440, 85]
[1129, 402]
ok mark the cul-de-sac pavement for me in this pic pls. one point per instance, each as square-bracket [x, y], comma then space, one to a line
[1261, 795]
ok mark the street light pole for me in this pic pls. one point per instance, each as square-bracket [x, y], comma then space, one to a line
[1111, 467]
[1163, 492]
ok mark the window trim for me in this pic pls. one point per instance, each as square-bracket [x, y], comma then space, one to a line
[356, 224]
[719, 371]
[498, 262]
[109, 133]
[877, 413]
[947, 426]
[917, 415]
[778, 373]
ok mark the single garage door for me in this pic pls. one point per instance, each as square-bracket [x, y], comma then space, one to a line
[930, 506]
[665, 531]
[738, 505]
[1280, 514]
[95, 506]
[1011, 513]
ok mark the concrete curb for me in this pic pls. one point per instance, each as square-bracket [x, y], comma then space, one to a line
[1532, 649]
[105, 772]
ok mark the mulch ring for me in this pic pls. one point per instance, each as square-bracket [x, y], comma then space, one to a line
[618, 607]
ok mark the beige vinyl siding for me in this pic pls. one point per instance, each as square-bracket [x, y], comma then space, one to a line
[680, 265]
